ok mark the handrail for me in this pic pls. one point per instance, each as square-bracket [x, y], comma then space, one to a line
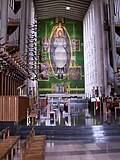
[27, 142]
[4, 131]
[8, 143]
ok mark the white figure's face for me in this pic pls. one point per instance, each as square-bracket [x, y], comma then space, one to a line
[59, 33]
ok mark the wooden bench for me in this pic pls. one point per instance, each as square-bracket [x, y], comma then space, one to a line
[8, 144]
[34, 147]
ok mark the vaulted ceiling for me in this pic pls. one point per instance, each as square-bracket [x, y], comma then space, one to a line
[45, 9]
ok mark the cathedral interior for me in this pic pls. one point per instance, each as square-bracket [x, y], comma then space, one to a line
[59, 79]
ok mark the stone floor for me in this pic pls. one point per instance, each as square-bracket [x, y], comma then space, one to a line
[77, 150]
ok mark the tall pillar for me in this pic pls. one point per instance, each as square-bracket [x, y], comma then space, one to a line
[28, 31]
[4, 18]
[113, 45]
[23, 29]
[100, 45]
[106, 88]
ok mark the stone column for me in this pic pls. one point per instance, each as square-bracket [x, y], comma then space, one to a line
[4, 19]
[99, 44]
[113, 45]
[105, 51]
[23, 29]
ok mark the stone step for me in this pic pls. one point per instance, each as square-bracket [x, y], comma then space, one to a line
[73, 132]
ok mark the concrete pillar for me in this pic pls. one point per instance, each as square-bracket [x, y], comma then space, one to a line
[23, 29]
[4, 18]
[113, 45]
[28, 16]
[105, 51]
[99, 58]
[112, 26]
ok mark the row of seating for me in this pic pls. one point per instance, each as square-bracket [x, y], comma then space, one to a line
[33, 147]
[9, 145]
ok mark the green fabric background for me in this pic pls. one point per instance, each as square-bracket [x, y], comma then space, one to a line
[75, 30]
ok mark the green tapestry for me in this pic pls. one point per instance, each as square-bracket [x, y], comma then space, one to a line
[60, 56]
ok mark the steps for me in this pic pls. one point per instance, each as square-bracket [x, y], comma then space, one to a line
[100, 133]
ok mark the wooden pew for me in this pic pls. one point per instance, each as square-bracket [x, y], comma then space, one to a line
[34, 147]
[8, 144]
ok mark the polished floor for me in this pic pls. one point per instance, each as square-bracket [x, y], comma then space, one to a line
[100, 149]
[77, 150]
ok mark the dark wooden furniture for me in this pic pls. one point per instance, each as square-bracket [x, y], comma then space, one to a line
[9, 145]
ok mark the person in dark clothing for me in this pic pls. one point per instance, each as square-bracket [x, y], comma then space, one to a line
[66, 107]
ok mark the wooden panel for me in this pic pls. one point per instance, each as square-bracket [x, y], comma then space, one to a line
[6, 108]
[13, 108]
[16, 108]
[23, 105]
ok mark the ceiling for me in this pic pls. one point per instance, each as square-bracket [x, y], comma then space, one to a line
[45, 9]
